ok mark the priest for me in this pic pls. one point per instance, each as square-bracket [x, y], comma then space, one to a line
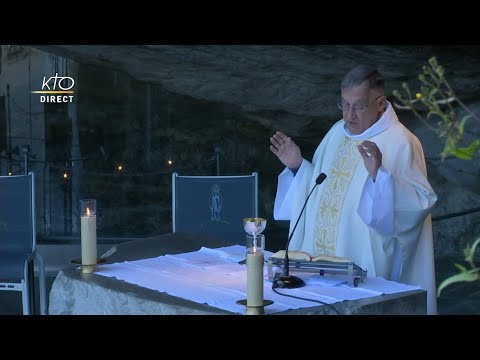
[374, 206]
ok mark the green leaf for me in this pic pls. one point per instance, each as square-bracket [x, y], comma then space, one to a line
[461, 154]
[475, 244]
[470, 251]
[461, 267]
[402, 107]
[461, 125]
[433, 62]
[432, 92]
[467, 153]
[469, 276]
[440, 71]
[445, 101]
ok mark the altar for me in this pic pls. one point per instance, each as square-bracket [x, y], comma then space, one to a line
[175, 284]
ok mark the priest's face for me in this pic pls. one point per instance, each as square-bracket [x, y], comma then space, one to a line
[362, 107]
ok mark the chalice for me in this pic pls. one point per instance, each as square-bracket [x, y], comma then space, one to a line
[254, 227]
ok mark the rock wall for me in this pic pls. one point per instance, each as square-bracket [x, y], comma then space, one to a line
[144, 105]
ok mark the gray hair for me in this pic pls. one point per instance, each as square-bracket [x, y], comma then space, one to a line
[361, 73]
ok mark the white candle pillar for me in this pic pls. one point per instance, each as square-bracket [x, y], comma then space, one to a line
[255, 278]
[88, 231]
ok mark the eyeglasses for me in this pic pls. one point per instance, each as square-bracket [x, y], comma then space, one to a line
[345, 107]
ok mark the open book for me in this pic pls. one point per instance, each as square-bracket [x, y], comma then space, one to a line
[303, 256]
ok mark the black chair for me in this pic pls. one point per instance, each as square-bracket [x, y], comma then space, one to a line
[18, 240]
[214, 205]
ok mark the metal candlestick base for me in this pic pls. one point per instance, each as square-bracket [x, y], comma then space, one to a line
[255, 310]
[88, 269]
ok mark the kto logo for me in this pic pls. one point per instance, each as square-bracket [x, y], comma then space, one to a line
[61, 86]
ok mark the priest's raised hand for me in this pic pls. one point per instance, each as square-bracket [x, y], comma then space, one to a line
[286, 150]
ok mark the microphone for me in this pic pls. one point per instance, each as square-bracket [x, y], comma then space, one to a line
[285, 280]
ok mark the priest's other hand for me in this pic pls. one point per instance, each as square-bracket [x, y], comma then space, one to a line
[286, 150]
[372, 157]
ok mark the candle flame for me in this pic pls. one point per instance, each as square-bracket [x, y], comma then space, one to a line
[88, 211]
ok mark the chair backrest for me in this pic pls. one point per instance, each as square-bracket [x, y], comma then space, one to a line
[17, 224]
[214, 205]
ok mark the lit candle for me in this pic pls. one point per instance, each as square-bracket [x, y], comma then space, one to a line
[89, 235]
[255, 277]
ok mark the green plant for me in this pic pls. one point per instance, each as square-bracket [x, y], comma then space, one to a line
[465, 274]
[437, 98]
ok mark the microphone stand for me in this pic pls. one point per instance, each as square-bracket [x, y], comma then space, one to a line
[286, 280]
